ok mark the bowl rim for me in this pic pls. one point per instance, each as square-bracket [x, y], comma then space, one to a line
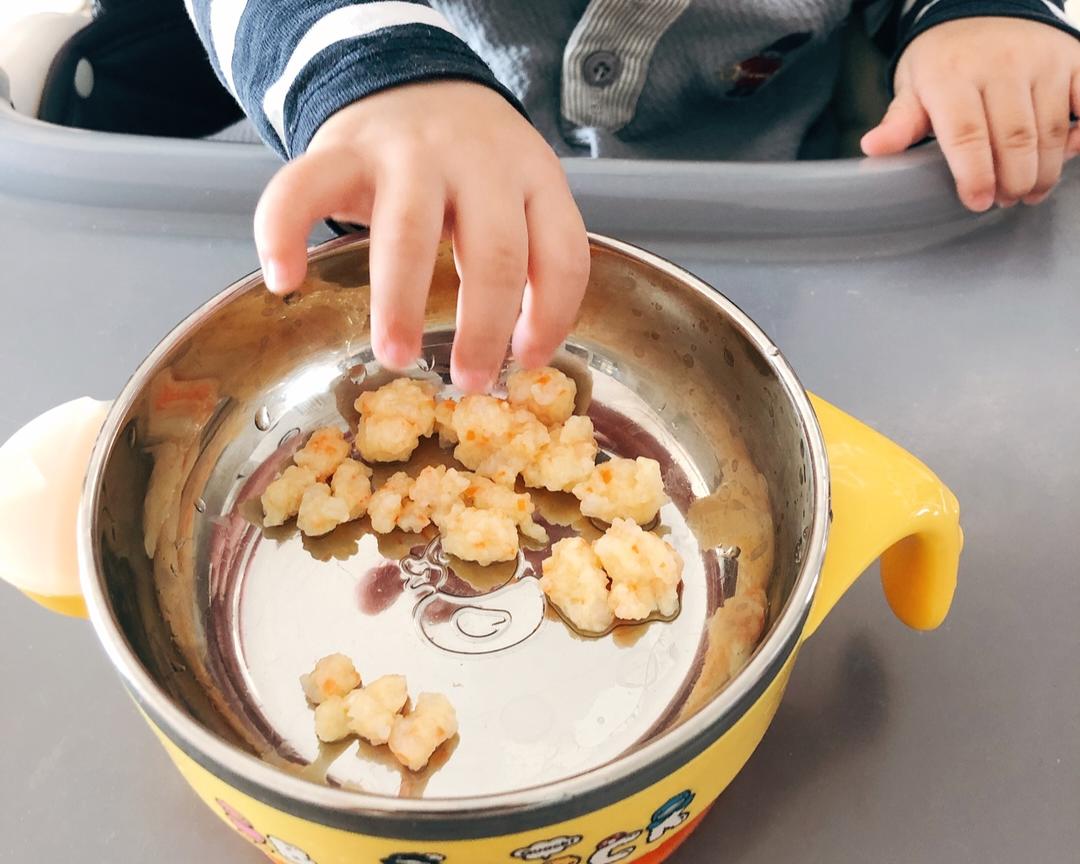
[481, 815]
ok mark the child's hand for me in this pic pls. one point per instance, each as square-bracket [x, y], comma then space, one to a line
[420, 162]
[996, 92]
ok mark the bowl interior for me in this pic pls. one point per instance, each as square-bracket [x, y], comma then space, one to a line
[225, 616]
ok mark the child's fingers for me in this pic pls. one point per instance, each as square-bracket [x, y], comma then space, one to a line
[1010, 115]
[959, 122]
[491, 250]
[406, 225]
[558, 274]
[1052, 122]
[904, 124]
[1072, 145]
[304, 191]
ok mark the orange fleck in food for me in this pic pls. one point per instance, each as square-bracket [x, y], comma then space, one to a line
[605, 474]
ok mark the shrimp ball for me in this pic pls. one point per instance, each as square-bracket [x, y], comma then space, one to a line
[575, 581]
[281, 500]
[391, 507]
[331, 720]
[567, 460]
[444, 422]
[645, 571]
[483, 425]
[547, 393]
[527, 438]
[320, 512]
[333, 675]
[623, 489]
[416, 736]
[483, 536]
[438, 488]
[325, 450]
[373, 709]
[494, 439]
[352, 484]
[518, 507]
[393, 419]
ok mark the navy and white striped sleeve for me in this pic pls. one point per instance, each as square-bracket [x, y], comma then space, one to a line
[293, 63]
[918, 16]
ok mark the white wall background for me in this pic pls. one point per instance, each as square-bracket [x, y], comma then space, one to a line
[12, 10]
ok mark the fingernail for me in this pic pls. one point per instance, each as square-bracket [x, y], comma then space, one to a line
[1006, 203]
[982, 203]
[397, 355]
[1033, 200]
[274, 276]
[472, 381]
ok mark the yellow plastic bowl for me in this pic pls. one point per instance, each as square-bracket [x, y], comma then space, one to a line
[842, 496]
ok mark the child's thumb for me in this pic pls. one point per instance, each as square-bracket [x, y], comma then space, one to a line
[304, 192]
[905, 123]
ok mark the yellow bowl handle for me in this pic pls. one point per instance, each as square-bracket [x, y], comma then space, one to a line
[886, 503]
[43, 466]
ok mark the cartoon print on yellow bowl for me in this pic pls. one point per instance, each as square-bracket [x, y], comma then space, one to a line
[669, 816]
[287, 851]
[272, 847]
[615, 848]
[241, 824]
[548, 850]
[618, 846]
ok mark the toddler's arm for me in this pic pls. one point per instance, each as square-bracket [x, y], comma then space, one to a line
[995, 81]
[391, 121]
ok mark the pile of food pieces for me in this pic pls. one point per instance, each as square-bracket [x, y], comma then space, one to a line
[376, 712]
[531, 439]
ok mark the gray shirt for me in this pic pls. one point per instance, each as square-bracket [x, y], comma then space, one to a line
[678, 79]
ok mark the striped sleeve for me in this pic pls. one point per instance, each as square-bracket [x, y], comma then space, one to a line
[293, 63]
[918, 16]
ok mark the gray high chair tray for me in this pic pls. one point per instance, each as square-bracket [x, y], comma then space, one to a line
[954, 335]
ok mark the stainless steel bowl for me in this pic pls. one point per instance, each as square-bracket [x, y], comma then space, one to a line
[211, 636]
